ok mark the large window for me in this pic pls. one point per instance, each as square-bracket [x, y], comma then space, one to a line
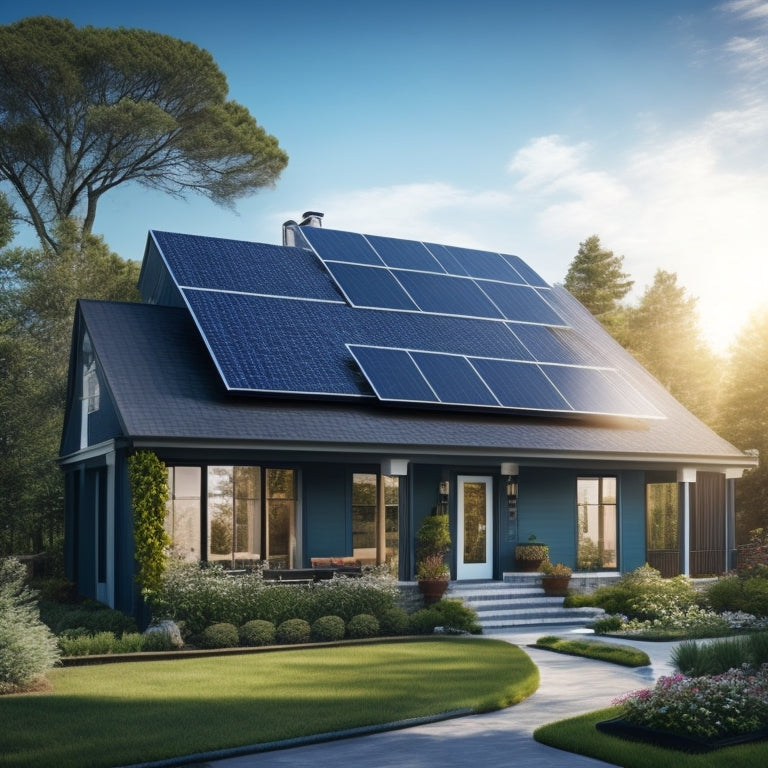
[662, 527]
[250, 514]
[597, 523]
[375, 518]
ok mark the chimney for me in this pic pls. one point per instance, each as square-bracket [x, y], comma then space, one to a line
[312, 219]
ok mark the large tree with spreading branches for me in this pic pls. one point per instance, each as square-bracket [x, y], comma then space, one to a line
[84, 110]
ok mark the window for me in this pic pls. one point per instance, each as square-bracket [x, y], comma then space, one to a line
[662, 527]
[182, 518]
[250, 514]
[597, 523]
[375, 534]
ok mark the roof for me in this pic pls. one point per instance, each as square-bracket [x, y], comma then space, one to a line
[167, 391]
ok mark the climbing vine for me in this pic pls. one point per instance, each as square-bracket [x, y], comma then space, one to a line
[149, 487]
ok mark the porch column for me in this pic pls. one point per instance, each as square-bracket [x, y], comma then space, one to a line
[686, 477]
[731, 475]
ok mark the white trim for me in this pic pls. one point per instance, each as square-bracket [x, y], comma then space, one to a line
[482, 570]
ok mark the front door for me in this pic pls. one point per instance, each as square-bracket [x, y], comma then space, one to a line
[475, 528]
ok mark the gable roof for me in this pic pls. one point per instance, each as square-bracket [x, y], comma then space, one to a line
[163, 371]
[355, 317]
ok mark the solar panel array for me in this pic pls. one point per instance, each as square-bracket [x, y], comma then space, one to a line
[346, 315]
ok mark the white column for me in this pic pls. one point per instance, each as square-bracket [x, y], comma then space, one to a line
[686, 476]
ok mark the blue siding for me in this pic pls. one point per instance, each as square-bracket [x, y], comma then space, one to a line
[326, 508]
[547, 508]
[632, 530]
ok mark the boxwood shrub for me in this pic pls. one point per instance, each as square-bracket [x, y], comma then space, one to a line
[257, 632]
[293, 632]
[394, 622]
[220, 635]
[363, 625]
[327, 629]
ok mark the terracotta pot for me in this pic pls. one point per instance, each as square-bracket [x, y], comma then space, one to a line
[555, 586]
[433, 590]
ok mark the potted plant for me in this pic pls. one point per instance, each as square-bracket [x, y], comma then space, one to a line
[555, 578]
[528, 557]
[433, 542]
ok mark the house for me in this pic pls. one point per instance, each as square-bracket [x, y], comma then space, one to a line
[319, 398]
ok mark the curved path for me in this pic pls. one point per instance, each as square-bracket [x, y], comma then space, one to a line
[569, 686]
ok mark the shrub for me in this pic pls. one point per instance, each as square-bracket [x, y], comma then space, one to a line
[202, 596]
[220, 635]
[327, 629]
[363, 625]
[89, 615]
[455, 616]
[607, 624]
[257, 632]
[719, 656]
[293, 632]
[394, 622]
[644, 595]
[28, 649]
[424, 621]
[726, 594]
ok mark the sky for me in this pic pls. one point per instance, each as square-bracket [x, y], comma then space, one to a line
[520, 127]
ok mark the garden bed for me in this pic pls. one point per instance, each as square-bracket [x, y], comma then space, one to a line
[625, 730]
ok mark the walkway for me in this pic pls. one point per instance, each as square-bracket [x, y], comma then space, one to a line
[569, 686]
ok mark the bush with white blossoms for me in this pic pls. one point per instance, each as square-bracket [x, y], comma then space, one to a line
[731, 704]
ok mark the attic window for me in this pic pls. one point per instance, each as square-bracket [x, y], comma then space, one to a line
[91, 389]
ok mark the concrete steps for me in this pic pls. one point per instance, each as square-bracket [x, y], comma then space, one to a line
[517, 601]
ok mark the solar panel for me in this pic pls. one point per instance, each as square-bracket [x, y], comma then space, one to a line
[393, 374]
[521, 303]
[407, 322]
[370, 286]
[405, 254]
[520, 385]
[447, 295]
[454, 379]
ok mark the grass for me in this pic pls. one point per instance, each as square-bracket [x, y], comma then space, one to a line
[579, 735]
[615, 653]
[125, 713]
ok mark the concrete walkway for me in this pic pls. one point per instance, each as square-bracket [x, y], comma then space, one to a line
[569, 686]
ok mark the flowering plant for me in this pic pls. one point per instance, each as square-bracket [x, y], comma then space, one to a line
[702, 707]
[432, 567]
[548, 569]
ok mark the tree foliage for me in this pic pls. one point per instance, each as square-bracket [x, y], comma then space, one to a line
[596, 279]
[149, 492]
[662, 332]
[743, 419]
[84, 110]
[38, 291]
[28, 648]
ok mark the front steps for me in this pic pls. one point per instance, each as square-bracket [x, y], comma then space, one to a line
[518, 601]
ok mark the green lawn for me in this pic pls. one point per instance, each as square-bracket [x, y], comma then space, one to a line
[124, 713]
[615, 653]
[579, 735]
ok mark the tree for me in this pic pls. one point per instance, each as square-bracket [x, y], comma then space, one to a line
[38, 290]
[743, 419]
[663, 333]
[83, 111]
[596, 279]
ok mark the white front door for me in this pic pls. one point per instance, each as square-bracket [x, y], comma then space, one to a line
[474, 543]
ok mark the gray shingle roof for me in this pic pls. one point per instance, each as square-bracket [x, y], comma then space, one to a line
[165, 387]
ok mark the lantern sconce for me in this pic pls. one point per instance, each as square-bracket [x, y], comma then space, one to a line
[445, 489]
[511, 472]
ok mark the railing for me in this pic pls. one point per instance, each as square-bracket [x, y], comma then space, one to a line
[666, 561]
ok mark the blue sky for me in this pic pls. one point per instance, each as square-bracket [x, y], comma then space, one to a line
[523, 127]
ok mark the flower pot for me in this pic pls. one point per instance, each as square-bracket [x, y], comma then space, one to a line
[528, 557]
[555, 586]
[433, 590]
